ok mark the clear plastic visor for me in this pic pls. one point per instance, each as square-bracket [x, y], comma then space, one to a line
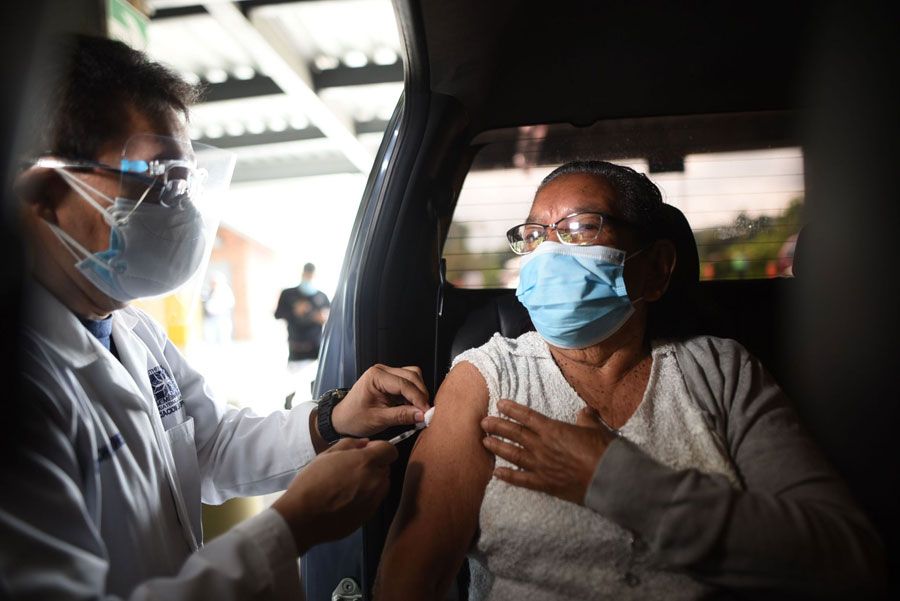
[169, 171]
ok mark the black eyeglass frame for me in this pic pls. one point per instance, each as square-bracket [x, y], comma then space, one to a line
[512, 236]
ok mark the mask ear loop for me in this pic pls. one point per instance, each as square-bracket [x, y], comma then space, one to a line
[124, 219]
[72, 245]
[84, 189]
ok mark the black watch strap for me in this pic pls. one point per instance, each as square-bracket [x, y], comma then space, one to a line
[323, 416]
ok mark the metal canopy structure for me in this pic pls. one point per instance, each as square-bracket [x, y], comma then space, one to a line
[295, 88]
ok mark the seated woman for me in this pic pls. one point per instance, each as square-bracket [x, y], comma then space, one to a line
[696, 479]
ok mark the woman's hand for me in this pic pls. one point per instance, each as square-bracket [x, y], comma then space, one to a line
[554, 457]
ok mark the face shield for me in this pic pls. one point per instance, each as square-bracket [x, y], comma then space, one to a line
[167, 172]
[163, 218]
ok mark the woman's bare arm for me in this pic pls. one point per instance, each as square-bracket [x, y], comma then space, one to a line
[442, 493]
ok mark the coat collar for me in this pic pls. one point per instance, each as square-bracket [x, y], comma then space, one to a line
[53, 321]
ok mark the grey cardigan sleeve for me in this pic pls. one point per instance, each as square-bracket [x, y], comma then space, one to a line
[792, 531]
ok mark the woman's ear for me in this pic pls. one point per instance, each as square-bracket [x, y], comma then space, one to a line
[661, 261]
[40, 191]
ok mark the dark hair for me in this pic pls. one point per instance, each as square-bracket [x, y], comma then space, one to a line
[637, 199]
[309, 268]
[93, 84]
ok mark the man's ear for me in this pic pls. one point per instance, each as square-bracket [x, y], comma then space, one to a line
[41, 190]
[662, 258]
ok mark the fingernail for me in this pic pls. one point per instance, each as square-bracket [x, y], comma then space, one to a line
[420, 417]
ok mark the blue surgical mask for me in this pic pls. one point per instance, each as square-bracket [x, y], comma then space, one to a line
[575, 295]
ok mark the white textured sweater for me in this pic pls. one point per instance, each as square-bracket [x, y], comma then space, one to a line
[535, 546]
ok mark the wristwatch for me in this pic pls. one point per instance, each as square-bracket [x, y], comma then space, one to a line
[323, 416]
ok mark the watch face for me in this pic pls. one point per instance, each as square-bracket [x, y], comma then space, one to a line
[323, 417]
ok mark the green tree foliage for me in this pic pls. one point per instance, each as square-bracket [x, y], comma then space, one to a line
[750, 247]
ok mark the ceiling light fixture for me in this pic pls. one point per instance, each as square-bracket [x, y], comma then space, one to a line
[323, 62]
[244, 72]
[214, 130]
[256, 126]
[277, 124]
[299, 122]
[385, 56]
[216, 75]
[355, 59]
[235, 129]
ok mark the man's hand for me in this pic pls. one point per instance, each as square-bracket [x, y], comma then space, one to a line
[381, 398]
[555, 457]
[337, 491]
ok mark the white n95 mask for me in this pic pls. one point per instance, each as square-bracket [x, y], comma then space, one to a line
[153, 248]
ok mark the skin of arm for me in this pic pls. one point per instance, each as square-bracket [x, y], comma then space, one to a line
[446, 477]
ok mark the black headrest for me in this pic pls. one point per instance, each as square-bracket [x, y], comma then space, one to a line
[674, 226]
[675, 314]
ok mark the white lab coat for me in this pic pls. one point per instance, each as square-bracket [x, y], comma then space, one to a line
[103, 499]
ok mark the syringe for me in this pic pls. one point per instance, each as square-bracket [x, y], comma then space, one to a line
[420, 426]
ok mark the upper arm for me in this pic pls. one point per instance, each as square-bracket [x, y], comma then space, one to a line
[442, 493]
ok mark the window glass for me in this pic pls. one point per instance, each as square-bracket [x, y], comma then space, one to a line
[745, 207]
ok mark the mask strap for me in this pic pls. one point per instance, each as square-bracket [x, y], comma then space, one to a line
[636, 253]
[83, 189]
[72, 245]
[139, 201]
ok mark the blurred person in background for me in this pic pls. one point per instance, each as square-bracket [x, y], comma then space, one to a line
[305, 309]
[119, 438]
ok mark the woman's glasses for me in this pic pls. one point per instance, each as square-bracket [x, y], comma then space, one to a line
[578, 229]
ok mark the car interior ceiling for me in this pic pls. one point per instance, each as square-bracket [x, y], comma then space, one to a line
[520, 64]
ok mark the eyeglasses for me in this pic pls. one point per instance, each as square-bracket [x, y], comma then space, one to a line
[577, 229]
[161, 181]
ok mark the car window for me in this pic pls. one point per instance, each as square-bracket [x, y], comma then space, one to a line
[745, 206]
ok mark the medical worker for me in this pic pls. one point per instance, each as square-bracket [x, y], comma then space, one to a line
[118, 439]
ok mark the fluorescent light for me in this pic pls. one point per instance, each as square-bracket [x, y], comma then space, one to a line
[235, 128]
[299, 121]
[190, 77]
[277, 124]
[385, 56]
[244, 72]
[216, 75]
[214, 130]
[356, 59]
[256, 126]
[323, 62]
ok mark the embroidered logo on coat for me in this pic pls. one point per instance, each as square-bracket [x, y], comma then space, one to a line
[165, 390]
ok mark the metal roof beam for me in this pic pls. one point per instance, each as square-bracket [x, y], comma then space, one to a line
[291, 76]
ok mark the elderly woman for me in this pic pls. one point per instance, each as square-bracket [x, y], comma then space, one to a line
[633, 467]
